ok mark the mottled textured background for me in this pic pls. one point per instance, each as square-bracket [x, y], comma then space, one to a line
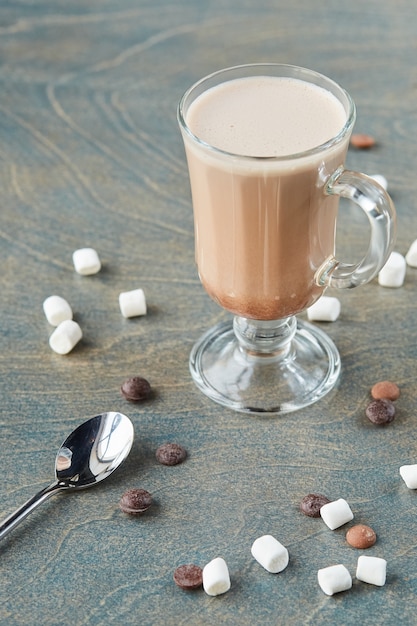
[90, 155]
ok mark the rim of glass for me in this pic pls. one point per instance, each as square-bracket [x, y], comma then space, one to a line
[304, 74]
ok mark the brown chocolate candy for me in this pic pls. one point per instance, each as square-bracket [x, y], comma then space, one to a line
[385, 389]
[361, 536]
[362, 141]
[380, 411]
[188, 577]
[136, 389]
[171, 454]
[135, 501]
[311, 504]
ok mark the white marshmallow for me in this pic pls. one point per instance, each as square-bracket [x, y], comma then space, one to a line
[270, 553]
[65, 336]
[334, 579]
[381, 180]
[409, 475]
[336, 513]
[393, 272]
[411, 256]
[132, 303]
[86, 261]
[372, 570]
[56, 310]
[216, 579]
[326, 309]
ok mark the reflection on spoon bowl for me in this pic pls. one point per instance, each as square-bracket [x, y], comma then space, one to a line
[89, 455]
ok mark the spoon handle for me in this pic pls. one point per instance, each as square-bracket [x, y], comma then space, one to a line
[19, 515]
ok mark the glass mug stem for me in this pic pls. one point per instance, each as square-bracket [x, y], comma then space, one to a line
[265, 339]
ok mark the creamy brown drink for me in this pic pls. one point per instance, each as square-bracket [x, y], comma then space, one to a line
[263, 223]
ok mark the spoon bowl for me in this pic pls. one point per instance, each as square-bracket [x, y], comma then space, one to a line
[89, 455]
[94, 450]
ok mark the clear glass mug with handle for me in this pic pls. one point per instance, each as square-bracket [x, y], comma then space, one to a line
[266, 166]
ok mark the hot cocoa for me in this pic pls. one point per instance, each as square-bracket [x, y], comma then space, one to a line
[263, 223]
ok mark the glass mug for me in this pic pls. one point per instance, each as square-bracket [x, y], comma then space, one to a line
[265, 184]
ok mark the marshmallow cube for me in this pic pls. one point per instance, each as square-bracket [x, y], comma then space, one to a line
[216, 579]
[409, 475]
[326, 309]
[132, 303]
[56, 310]
[86, 261]
[411, 256]
[393, 272]
[372, 570]
[65, 336]
[381, 180]
[334, 579]
[336, 513]
[270, 553]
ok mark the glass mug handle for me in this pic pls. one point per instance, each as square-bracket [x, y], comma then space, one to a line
[380, 211]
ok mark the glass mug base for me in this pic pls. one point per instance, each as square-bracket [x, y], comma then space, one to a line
[300, 372]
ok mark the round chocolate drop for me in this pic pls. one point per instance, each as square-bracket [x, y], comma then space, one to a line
[135, 501]
[136, 389]
[311, 504]
[385, 389]
[171, 454]
[380, 411]
[361, 536]
[188, 577]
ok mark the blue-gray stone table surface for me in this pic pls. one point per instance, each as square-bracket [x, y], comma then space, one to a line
[90, 155]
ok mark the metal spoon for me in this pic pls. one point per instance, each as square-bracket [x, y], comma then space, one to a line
[90, 454]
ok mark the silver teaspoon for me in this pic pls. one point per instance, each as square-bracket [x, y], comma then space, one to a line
[89, 455]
